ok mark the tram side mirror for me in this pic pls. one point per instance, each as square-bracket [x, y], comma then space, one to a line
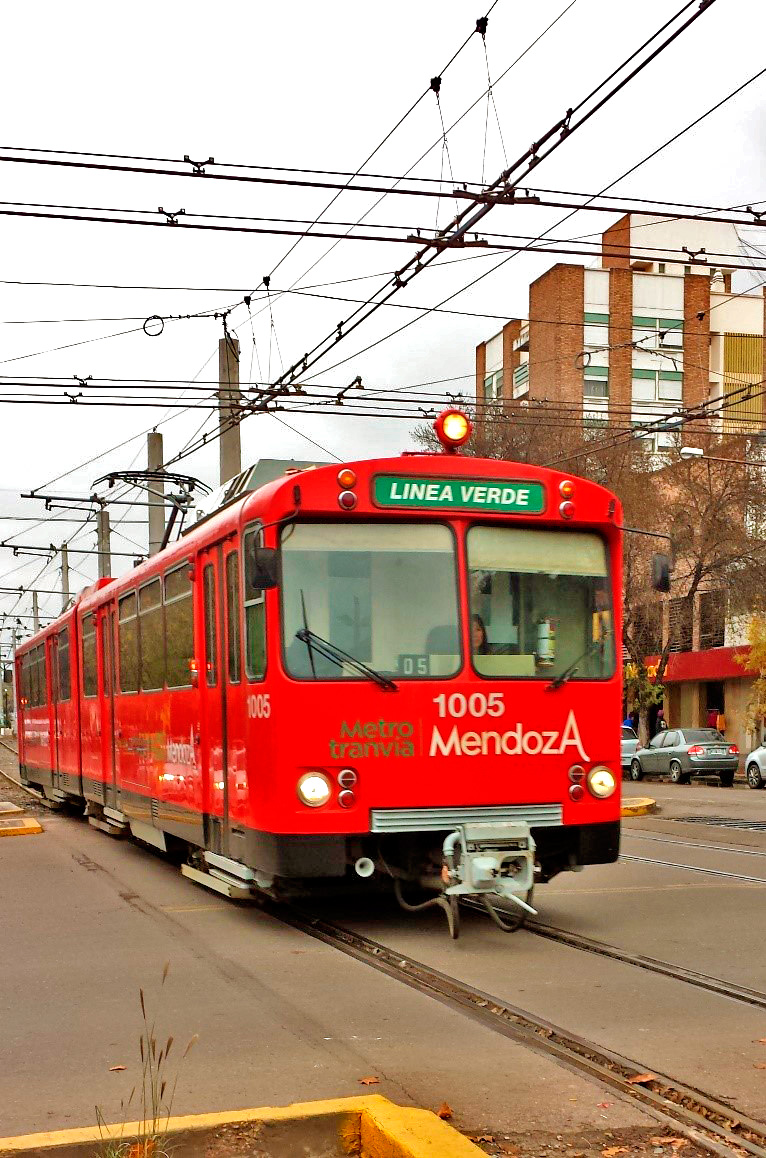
[661, 572]
[262, 565]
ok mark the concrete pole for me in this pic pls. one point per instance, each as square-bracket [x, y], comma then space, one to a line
[230, 450]
[155, 461]
[104, 544]
[65, 594]
[35, 613]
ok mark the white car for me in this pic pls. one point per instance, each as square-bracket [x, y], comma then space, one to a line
[629, 747]
[755, 767]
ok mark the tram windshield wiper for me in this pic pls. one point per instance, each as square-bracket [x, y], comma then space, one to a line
[323, 647]
[559, 680]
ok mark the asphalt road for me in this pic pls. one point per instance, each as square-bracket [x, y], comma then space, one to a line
[86, 921]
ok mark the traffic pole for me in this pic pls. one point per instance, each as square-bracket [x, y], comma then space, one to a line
[230, 451]
[35, 613]
[65, 594]
[104, 544]
[155, 461]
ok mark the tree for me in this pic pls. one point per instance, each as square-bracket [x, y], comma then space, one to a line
[712, 513]
[755, 663]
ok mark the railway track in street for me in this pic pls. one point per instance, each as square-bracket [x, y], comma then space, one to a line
[709, 1122]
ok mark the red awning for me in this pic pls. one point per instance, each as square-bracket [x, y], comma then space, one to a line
[716, 663]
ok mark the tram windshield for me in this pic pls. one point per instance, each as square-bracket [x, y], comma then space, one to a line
[384, 593]
[540, 604]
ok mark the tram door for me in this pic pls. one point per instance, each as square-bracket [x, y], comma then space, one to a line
[106, 630]
[212, 686]
[56, 723]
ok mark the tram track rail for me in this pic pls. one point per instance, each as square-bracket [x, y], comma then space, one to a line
[711, 1123]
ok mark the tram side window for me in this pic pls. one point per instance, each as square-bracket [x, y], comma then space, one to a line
[232, 616]
[255, 617]
[179, 628]
[208, 580]
[25, 681]
[89, 670]
[64, 666]
[151, 636]
[42, 675]
[128, 644]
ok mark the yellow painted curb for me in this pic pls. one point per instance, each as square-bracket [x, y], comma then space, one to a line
[638, 806]
[370, 1126]
[20, 826]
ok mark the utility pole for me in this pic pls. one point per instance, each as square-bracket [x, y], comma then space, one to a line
[155, 461]
[104, 544]
[230, 450]
[65, 595]
[35, 613]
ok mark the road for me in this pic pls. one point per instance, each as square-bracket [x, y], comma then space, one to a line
[280, 1016]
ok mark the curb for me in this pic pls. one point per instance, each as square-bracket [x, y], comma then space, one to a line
[369, 1125]
[20, 826]
[638, 806]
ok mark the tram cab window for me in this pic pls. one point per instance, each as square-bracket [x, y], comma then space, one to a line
[540, 602]
[255, 616]
[150, 634]
[179, 628]
[232, 616]
[128, 643]
[384, 593]
[211, 620]
[64, 676]
[89, 669]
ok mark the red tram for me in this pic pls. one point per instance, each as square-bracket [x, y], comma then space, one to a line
[399, 668]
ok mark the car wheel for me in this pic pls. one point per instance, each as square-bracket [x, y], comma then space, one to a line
[636, 771]
[754, 777]
[677, 773]
[727, 779]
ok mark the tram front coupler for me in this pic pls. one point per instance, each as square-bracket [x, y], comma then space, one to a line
[492, 863]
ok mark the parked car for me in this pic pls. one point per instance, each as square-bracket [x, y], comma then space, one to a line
[629, 747]
[755, 766]
[685, 752]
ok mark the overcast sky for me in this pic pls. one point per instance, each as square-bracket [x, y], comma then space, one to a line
[299, 84]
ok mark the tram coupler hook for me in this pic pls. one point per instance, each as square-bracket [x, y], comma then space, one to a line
[491, 862]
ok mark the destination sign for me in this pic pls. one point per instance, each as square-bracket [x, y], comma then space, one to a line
[470, 494]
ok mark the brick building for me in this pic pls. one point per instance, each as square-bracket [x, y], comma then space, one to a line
[626, 342]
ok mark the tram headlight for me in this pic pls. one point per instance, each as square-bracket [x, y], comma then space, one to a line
[453, 428]
[601, 781]
[314, 789]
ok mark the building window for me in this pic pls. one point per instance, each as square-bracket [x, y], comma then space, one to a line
[493, 386]
[658, 333]
[680, 625]
[657, 386]
[521, 380]
[660, 267]
[712, 619]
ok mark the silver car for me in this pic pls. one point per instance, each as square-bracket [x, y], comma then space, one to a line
[685, 752]
[629, 746]
[755, 766]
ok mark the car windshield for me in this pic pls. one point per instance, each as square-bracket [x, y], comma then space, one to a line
[629, 734]
[540, 603]
[384, 593]
[702, 735]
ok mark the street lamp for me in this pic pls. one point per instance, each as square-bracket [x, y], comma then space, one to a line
[690, 452]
